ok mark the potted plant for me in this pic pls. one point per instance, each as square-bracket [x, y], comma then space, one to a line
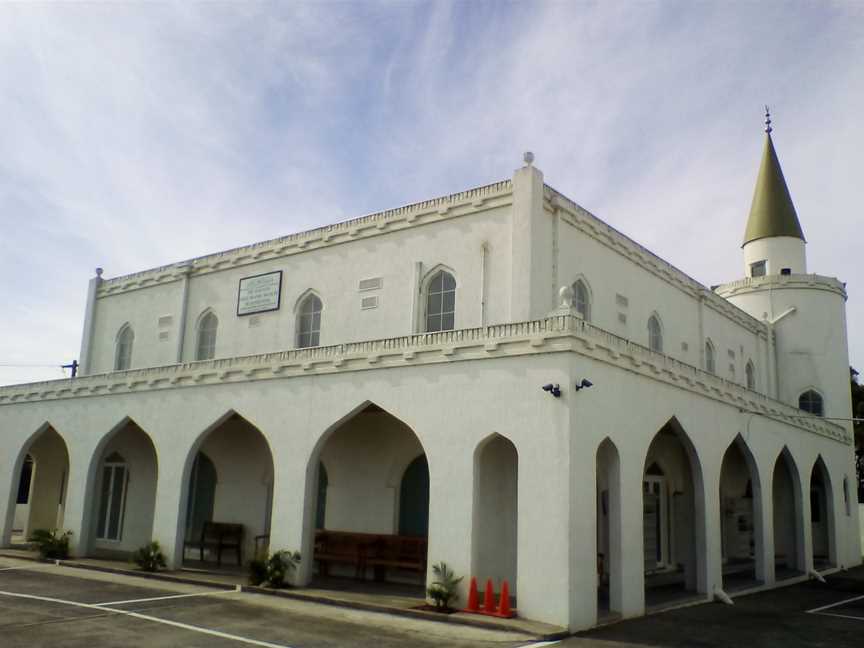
[444, 588]
[149, 558]
[52, 544]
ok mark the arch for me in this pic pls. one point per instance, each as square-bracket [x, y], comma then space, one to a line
[674, 521]
[308, 310]
[655, 333]
[494, 551]
[361, 450]
[741, 525]
[111, 490]
[710, 357]
[787, 505]
[242, 457]
[583, 298]
[750, 375]
[206, 329]
[812, 401]
[49, 453]
[123, 346]
[610, 591]
[822, 516]
[438, 290]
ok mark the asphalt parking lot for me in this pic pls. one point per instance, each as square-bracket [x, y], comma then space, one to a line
[45, 605]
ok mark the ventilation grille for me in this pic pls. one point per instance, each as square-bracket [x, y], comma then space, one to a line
[621, 300]
[685, 346]
[163, 336]
[622, 318]
[165, 321]
[369, 302]
[370, 284]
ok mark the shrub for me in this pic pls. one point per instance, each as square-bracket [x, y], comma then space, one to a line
[257, 571]
[149, 558]
[52, 544]
[279, 565]
[444, 588]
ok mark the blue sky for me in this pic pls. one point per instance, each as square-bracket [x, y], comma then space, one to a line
[138, 135]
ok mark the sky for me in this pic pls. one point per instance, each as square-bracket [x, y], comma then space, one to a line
[136, 135]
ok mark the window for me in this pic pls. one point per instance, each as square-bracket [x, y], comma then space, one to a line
[710, 361]
[655, 334]
[309, 322]
[206, 347]
[113, 498]
[811, 401]
[757, 269]
[582, 300]
[441, 302]
[750, 370]
[123, 352]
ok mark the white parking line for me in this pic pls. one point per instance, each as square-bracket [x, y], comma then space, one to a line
[36, 566]
[541, 643]
[147, 617]
[171, 596]
[833, 605]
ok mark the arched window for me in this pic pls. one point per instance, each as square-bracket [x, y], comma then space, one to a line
[123, 351]
[309, 322]
[582, 299]
[710, 359]
[206, 347]
[655, 334]
[811, 401]
[441, 302]
[115, 476]
[750, 370]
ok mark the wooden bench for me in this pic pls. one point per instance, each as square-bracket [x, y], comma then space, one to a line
[220, 536]
[342, 547]
[397, 552]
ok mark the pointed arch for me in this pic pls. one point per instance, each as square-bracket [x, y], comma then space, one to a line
[438, 291]
[655, 333]
[710, 357]
[206, 329]
[788, 511]
[750, 375]
[123, 346]
[742, 527]
[609, 527]
[308, 314]
[583, 297]
[680, 492]
[494, 548]
[822, 516]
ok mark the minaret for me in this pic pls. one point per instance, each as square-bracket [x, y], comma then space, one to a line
[773, 240]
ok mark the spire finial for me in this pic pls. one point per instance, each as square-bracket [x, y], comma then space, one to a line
[768, 128]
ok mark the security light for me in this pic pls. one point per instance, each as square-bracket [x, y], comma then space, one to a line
[555, 390]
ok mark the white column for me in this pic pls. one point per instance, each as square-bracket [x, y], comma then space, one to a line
[89, 324]
[631, 513]
[169, 515]
[186, 270]
[763, 524]
[528, 291]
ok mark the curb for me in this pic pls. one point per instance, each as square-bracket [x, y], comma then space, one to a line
[298, 595]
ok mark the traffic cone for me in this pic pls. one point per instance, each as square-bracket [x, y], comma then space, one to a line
[489, 598]
[473, 601]
[504, 602]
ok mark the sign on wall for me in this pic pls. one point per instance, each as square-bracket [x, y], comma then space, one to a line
[260, 293]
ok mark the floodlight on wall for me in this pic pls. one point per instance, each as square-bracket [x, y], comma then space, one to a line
[555, 390]
[583, 385]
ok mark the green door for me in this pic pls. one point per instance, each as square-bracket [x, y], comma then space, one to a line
[414, 499]
[202, 494]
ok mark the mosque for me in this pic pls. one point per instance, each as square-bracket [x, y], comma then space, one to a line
[495, 378]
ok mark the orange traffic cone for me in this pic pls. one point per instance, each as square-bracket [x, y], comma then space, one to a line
[504, 602]
[473, 602]
[489, 598]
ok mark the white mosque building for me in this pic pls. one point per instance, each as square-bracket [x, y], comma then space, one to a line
[496, 378]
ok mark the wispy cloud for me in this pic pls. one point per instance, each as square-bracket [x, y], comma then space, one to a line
[136, 135]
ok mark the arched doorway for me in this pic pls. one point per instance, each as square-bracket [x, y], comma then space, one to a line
[788, 529]
[610, 585]
[822, 516]
[124, 476]
[229, 493]
[42, 479]
[496, 517]
[673, 518]
[740, 530]
[370, 504]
